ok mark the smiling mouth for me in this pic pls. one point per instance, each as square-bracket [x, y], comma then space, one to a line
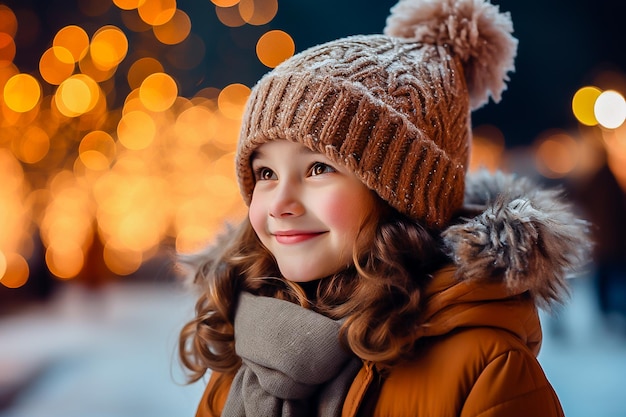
[296, 237]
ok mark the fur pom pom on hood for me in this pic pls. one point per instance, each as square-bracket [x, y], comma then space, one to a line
[526, 236]
[474, 30]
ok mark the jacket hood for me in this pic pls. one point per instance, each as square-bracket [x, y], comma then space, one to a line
[519, 234]
[512, 254]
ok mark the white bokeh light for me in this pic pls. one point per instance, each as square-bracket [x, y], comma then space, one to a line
[610, 109]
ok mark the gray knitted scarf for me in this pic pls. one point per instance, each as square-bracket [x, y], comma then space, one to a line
[292, 362]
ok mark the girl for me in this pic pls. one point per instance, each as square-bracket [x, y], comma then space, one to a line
[372, 277]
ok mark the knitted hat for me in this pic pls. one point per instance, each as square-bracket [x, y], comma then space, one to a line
[393, 108]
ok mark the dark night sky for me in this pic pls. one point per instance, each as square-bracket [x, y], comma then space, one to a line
[563, 43]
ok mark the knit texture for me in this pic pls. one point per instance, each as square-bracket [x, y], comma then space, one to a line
[395, 111]
[292, 366]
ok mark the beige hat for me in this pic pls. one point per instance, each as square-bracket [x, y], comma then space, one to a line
[393, 108]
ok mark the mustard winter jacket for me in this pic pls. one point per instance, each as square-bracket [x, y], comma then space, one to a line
[476, 351]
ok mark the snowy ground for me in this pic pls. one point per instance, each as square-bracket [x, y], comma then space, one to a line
[112, 354]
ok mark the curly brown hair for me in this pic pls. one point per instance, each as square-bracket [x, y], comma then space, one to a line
[378, 297]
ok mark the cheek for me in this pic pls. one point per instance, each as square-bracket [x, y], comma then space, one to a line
[256, 214]
[344, 210]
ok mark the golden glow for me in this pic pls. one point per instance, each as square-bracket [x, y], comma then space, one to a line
[196, 126]
[122, 261]
[487, 148]
[3, 261]
[582, 105]
[229, 16]
[7, 48]
[232, 100]
[22, 93]
[557, 155]
[193, 238]
[133, 177]
[56, 65]
[97, 150]
[89, 68]
[32, 146]
[65, 261]
[74, 39]
[158, 92]
[157, 12]
[225, 3]
[175, 30]
[16, 271]
[136, 130]
[274, 47]
[108, 47]
[258, 12]
[610, 109]
[77, 95]
[128, 4]
[8, 21]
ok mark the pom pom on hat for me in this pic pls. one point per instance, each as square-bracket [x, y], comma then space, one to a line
[474, 30]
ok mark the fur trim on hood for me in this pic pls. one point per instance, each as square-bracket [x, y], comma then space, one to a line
[527, 236]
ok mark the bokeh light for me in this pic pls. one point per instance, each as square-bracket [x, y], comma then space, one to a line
[232, 100]
[487, 148]
[128, 4]
[73, 39]
[8, 21]
[97, 150]
[32, 146]
[610, 109]
[157, 12]
[77, 95]
[274, 47]
[108, 47]
[225, 3]
[229, 16]
[175, 30]
[258, 12]
[557, 154]
[140, 69]
[56, 65]
[22, 93]
[158, 91]
[136, 130]
[7, 48]
[583, 105]
[16, 271]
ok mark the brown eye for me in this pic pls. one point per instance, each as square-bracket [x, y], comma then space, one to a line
[264, 174]
[321, 168]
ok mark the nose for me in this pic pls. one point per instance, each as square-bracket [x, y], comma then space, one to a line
[286, 201]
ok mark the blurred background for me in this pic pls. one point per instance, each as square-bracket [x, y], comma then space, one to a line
[118, 126]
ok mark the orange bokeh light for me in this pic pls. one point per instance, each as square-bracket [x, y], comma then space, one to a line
[157, 12]
[22, 93]
[274, 47]
[56, 65]
[108, 48]
[8, 21]
[258, 12]
[74, 39]
[158, 92]
[16, 270]
[175, 30]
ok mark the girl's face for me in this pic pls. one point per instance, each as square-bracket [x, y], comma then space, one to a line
[306, 210]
